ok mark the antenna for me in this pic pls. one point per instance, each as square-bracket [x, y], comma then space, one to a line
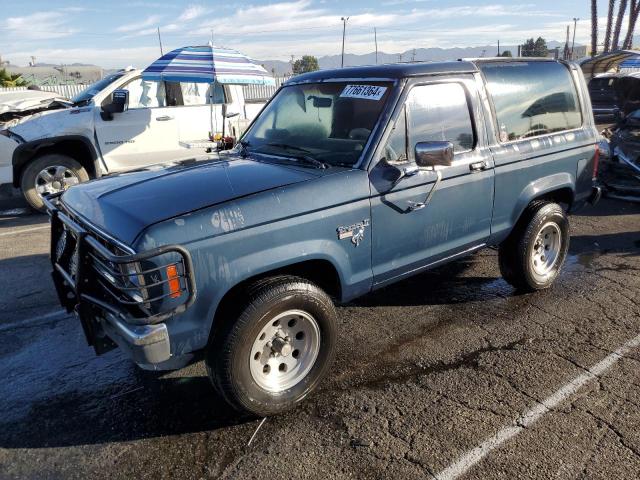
[160, 42]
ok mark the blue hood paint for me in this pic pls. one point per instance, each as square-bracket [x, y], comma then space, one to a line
[125, 204]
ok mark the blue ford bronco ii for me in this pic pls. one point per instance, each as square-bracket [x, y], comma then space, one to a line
[347, 181]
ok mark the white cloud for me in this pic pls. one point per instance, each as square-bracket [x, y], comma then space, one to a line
[38, 26]
[152, 20]
[497, 10]
[192, 12]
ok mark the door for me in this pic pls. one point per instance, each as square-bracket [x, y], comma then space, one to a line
[194, 117]
[145, 134]
[457, 217]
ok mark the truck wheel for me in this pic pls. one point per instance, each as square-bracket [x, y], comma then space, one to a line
[270, 355]
[50, 174]
[531, 258]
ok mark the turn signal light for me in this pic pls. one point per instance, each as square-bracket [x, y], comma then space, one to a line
[174, 281]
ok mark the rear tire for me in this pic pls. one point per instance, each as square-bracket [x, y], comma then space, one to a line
[533, 255]
[50, 174]
[275, 350]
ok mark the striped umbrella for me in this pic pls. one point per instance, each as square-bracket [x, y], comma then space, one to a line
[207, 64]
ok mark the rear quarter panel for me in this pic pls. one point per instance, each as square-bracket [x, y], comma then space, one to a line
[530, 169]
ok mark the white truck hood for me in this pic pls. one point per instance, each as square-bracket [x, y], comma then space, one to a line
[25, 101]
[54, 123]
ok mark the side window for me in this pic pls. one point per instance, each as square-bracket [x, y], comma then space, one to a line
[145, 94]
[192, 94]
[440, 112]
[532, 98]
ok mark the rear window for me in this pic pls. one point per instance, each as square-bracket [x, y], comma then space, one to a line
[532, 98]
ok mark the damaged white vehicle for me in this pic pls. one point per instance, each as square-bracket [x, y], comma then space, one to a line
[66, 143]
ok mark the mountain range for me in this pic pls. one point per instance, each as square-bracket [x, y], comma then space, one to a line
[279, 67]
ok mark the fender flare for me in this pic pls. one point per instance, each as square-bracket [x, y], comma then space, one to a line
[541, 187]
[25, 152]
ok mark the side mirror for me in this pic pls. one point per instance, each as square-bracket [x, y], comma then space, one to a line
[431, 154]
[116, 104]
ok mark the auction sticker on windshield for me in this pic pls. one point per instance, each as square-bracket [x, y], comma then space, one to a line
[367, 92]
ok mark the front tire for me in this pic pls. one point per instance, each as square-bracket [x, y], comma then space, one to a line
[49, 174]
[274, 351]
[533, 255]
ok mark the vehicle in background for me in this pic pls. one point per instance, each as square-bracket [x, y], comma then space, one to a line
[613, 94]
[348, 181]
[93, 136]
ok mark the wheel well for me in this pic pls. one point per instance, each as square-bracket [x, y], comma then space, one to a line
[320, 272]
[76, 149]
[563, 196]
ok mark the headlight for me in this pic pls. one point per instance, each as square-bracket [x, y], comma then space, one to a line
[133, 280]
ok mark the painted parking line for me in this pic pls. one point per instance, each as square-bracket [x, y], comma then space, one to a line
[35, 321]
[528, 418]
[24, 230]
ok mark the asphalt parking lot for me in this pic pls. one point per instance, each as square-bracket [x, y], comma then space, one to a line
[447, 374]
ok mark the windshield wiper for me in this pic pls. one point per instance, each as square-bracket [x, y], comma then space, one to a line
[304, 157]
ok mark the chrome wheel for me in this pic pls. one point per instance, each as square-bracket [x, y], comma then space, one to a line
[546, 249]
[285, 350]
[54, 179]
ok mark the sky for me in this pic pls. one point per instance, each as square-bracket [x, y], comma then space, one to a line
[118, 33]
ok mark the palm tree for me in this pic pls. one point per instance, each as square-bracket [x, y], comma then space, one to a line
[634, 11]
[594, 28]
[10, 80]
[616, 33]
[607, 35]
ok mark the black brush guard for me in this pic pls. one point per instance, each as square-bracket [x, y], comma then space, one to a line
[94, 284]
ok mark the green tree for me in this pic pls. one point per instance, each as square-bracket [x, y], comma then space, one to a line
[535, 48]
[506, 53]
[308, 63]
[9, 80]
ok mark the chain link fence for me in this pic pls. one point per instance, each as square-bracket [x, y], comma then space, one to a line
[252, 93]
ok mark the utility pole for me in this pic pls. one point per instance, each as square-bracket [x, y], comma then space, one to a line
[344, 31]
[565, 54]
[160, 42]
[573, 43]
[498, 47]
[375, 36]
[413, 56]
[400, 58]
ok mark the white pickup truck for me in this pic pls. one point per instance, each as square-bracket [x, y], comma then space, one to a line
[54, 149]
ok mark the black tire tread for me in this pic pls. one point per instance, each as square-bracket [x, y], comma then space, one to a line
[29, 173]
[261, 292]
[512, 256]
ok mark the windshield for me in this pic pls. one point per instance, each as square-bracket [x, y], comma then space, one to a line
[324, 122]
[88, 93]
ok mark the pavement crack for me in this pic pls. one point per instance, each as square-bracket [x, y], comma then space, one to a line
[611, 427]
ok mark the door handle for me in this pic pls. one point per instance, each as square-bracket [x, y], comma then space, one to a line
[478, 166]
[164, 118]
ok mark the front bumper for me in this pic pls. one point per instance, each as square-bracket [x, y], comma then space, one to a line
[107, 322]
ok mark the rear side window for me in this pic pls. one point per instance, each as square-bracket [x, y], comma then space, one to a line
[532, 98]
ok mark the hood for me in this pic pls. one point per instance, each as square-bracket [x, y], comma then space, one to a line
[53, 122]
[18, 104]
[123, 205]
